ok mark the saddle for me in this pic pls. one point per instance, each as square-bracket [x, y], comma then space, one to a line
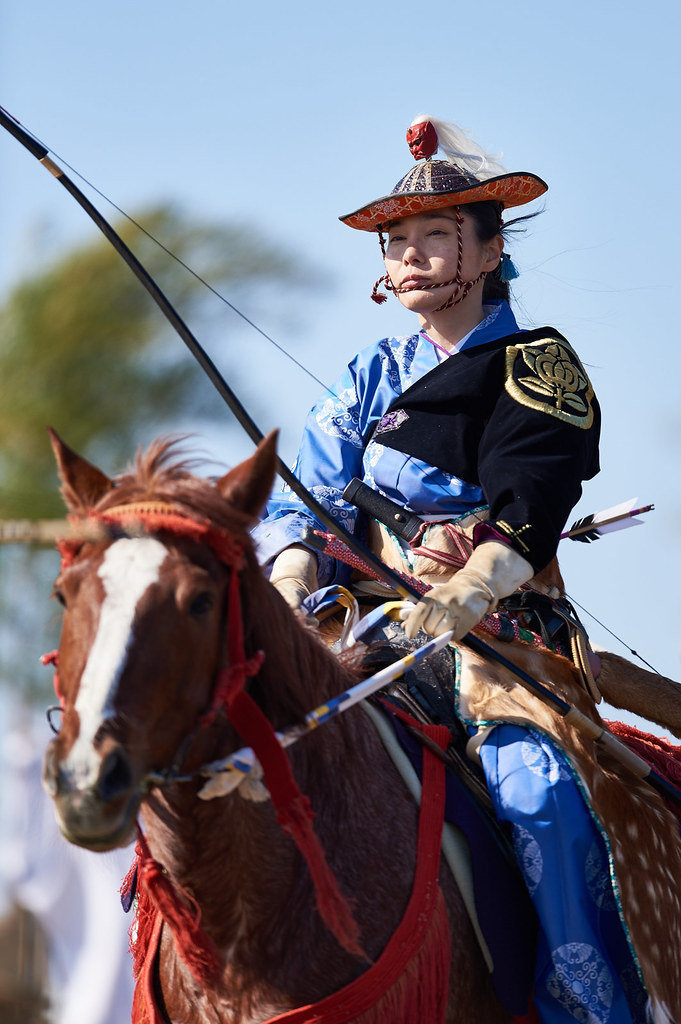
[620, 801]
[440, 549]
[503, 907]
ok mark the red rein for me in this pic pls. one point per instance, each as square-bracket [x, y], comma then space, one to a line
[292, 808]
[410, 979]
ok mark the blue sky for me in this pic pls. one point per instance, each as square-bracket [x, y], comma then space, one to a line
[288, 116]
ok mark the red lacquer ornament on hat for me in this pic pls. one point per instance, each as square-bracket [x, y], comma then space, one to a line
[422, 140]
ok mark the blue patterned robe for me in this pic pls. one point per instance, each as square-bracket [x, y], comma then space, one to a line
[332, 450]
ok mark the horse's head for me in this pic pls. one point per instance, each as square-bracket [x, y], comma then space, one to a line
[142, 639]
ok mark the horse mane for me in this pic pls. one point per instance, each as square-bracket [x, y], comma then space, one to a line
[165, 472]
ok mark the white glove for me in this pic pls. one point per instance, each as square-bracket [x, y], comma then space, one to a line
[294, 574]
[493, 571]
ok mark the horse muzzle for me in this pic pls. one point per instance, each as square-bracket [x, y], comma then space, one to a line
[96, 809]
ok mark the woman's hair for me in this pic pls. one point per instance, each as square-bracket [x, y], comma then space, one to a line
[486, 217]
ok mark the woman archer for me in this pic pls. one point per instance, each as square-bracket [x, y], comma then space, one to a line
[486, 432]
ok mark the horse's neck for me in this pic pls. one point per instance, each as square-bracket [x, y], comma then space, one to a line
[255, 894]
[256, 860]
[226, 853]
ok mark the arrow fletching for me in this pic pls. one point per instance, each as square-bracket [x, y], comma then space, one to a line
[594, 526]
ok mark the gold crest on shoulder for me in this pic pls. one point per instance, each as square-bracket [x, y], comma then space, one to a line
[547, 376]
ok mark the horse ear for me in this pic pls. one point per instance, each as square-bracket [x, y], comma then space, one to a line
[249, 484]
[82, 483]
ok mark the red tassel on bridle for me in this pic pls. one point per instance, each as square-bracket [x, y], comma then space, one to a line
[292, 808]
[295, 816]
[156, 893]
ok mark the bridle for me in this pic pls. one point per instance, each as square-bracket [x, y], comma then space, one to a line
[230, 697]
[141, 519]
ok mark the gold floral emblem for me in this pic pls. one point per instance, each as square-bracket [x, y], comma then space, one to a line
[555, 384]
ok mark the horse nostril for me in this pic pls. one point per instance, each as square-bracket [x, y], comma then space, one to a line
[115, 776]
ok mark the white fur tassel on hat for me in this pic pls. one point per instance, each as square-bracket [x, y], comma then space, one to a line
[457, 146]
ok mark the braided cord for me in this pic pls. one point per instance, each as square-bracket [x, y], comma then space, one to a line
[462, 288]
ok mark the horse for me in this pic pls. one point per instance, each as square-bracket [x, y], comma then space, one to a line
[169, 626]
[142, 642]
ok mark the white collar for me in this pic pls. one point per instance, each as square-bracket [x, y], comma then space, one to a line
[491, 313]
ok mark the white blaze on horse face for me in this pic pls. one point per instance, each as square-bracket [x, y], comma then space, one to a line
[128, 569]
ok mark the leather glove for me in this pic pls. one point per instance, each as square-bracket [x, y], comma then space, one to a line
[294, 574]
[494, 570]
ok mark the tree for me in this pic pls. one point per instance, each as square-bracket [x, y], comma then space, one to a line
[83, 348]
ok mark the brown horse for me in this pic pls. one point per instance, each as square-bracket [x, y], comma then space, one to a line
[142, 643]
[147, 632]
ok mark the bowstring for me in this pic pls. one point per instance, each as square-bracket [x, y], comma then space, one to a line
[280, 348]
[612, 634]
[194, 273]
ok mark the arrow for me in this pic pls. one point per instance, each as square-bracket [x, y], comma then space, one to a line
[594, 526]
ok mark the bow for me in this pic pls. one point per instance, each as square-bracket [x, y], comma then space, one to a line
[403, 588]
[207, 365]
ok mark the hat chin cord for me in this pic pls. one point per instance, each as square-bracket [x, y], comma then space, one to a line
[461, 288]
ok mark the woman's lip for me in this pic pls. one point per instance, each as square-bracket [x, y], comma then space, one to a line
[414, 283]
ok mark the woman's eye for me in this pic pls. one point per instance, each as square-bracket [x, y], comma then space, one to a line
[59, 596]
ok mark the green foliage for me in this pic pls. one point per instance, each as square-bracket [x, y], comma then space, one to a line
[83, 348]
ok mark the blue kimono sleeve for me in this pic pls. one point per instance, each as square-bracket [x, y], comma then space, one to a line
[331, 453]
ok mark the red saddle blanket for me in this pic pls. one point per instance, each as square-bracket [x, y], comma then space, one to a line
[662, 755]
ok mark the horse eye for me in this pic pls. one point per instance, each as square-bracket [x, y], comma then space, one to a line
[201, 605]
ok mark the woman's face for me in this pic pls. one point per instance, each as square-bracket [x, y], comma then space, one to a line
[423, 249]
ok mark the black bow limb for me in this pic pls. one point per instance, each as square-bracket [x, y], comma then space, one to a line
[404, 589]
